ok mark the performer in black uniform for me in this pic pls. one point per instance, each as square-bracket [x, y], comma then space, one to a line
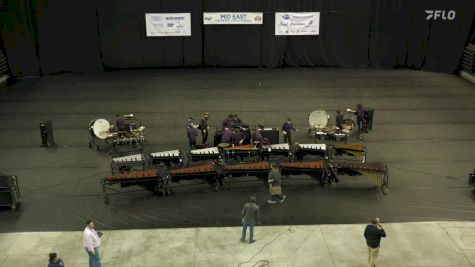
[203, 126]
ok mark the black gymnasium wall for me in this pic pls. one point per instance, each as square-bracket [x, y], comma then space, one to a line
[53, 36]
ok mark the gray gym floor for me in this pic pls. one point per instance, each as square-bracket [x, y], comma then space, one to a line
[423, 131]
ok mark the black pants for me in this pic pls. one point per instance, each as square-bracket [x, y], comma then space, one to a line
[192, 144]
[204, 135]
[361, 124]
[288, 138]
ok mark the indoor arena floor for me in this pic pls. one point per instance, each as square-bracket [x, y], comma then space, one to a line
[423, 130]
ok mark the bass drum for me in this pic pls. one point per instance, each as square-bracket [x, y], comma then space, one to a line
[99, 128]
[318, 118]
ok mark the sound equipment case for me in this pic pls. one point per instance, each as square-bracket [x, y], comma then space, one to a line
[9, 192]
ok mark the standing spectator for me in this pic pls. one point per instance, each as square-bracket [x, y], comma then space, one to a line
[54, 261]
[275, 187]
[92, 242]
[373, 234]
[191, 133]
[250, 215]
[287, 129]
[203, 126]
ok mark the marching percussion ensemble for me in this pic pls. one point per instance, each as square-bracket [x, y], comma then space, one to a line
[125, 139]
[323, 162]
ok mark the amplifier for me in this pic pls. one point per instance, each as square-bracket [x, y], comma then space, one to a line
[46, 132]
[272, 134]
[9, 191]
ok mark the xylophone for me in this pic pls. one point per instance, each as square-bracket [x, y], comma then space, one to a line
[241, 152]
[154, 180]
[211, 173]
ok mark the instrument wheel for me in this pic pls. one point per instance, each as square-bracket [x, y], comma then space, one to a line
[384, 189]
[106, 200]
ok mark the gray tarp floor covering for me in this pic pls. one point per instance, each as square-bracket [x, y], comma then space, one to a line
[423, 130]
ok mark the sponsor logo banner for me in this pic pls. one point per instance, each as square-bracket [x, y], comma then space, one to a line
[297, 23]
[440, 14]
[211, 18]
[168, 24]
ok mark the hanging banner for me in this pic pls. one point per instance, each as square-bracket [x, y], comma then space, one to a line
[168, 24]
[297, 23]
[210, 18]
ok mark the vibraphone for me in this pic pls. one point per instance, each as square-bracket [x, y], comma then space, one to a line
[128, 163]
[169, 158]
[356, 151]
[154, 180]
[376, 171]
[317, 170]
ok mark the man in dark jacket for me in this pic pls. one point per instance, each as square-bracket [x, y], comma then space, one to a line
[275, 188]
[250, 215]
[373, 234]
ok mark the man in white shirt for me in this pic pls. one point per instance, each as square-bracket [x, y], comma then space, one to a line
[92, 241]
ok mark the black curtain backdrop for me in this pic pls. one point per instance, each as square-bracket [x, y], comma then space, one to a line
[52, 36]
[68, 37]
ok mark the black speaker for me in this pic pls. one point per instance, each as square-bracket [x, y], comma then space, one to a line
[272, 134]
[46, 132]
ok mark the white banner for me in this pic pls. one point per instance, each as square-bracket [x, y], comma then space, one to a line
[297, 23]
[210, 18]
[168, 24]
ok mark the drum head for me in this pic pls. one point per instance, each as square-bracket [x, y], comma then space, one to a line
[101, 128]
[223, 145]
[318, 118]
